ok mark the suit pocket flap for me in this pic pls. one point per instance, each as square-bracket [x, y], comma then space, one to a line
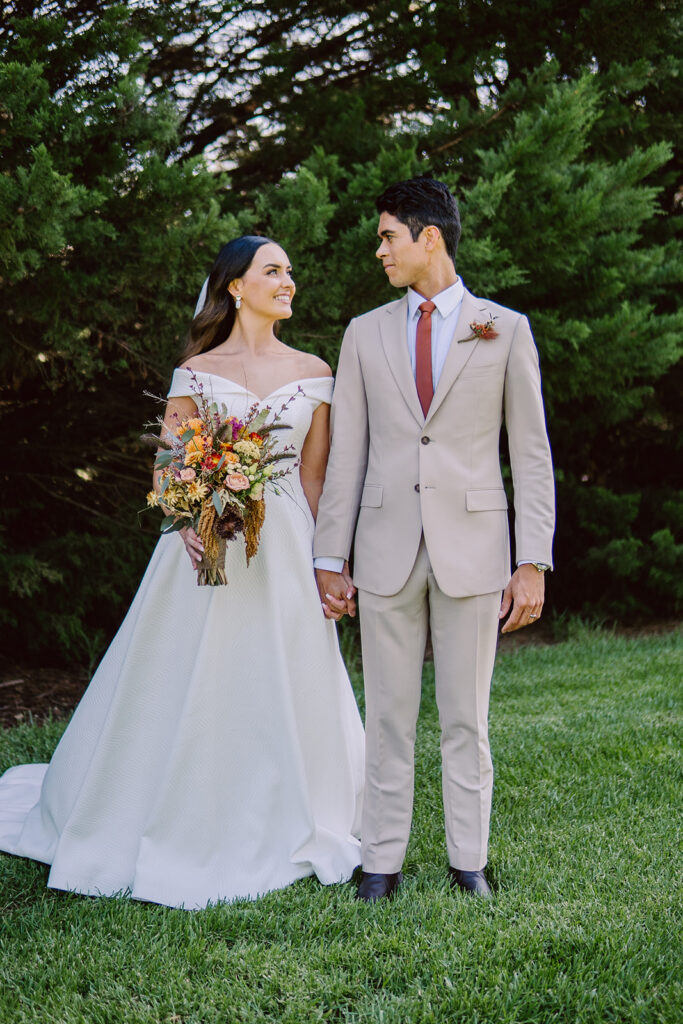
[490, 500]
[372, 496]
[482, 370]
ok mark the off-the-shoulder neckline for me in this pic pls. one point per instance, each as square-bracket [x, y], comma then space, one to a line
[271, 394]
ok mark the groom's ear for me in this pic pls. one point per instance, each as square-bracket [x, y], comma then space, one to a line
[432, 237]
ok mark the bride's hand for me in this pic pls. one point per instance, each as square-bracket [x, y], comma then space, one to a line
[193, 545]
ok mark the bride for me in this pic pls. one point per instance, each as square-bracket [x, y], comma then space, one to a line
[217, 752]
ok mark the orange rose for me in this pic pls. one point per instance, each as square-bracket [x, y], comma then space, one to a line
[237, 482]
[230, 458]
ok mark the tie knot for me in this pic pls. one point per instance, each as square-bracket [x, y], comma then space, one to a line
[427, 307]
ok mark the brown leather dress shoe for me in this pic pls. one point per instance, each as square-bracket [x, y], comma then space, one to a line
[374, 886]
[470, 881]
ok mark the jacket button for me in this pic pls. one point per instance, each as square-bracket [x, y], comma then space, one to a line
[425, 440]
[417, 488]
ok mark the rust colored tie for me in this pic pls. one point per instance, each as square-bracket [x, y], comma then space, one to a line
[423, 356]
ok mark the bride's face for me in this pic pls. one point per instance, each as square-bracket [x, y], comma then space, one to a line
[267, 288]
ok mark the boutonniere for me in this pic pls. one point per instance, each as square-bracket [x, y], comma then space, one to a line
[484, 331]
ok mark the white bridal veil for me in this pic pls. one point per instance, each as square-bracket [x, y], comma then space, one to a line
[202, 298]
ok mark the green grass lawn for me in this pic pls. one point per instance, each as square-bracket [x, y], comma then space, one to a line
[585, 856]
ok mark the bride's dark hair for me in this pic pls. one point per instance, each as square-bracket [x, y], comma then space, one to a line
[213, 323]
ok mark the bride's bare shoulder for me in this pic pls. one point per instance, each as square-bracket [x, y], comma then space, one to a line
[312, 366]
[198, 362]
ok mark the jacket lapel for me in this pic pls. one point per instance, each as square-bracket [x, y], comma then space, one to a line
[394, 335]
[460, 351]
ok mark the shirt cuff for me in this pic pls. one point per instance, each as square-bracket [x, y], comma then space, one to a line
[329, 563]
[528, 561]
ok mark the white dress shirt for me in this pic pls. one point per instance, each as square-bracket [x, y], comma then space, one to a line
[444, 321]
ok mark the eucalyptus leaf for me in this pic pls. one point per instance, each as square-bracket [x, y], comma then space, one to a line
[217, 503]
[259, 420]
[163, 460]
[171, 525]
[187, 436]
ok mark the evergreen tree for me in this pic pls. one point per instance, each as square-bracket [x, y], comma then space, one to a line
[261, 83]
[103, 247]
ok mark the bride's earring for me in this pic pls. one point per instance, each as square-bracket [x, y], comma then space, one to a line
[238, 301]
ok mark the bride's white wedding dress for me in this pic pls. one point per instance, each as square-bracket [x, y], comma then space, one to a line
[218, 751]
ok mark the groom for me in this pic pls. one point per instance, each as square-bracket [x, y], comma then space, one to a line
[423, 386]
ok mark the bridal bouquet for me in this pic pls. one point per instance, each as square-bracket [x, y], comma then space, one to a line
[214, 470]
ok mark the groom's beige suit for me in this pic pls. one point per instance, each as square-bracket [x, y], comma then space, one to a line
[424, 499]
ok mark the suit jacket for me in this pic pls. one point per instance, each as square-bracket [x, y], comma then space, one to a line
[393, 474]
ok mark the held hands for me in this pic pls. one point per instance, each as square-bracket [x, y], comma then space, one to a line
[337, 593]
[193, 545]
[524, 594]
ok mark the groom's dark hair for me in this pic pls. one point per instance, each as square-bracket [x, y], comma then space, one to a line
[419, 202]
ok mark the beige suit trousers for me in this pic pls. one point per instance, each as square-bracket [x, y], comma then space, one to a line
[394, 632]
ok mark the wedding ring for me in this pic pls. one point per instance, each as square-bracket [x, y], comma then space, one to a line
[532, 616]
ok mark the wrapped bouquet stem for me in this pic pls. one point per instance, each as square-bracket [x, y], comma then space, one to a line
[214, 471]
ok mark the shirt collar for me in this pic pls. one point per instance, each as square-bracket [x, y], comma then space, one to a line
[445, 302]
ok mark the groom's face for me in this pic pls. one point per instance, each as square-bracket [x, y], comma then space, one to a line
[403, 259]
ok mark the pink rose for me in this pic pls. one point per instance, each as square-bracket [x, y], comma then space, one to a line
[187, 474]
[237, 482]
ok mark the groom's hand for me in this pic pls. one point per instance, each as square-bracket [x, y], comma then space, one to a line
[524, 594]
[337, 593]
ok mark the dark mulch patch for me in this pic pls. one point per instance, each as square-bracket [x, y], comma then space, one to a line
[33, 694]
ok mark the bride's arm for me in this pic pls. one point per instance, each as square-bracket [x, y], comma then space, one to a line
[179, 409]
[314, 456]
